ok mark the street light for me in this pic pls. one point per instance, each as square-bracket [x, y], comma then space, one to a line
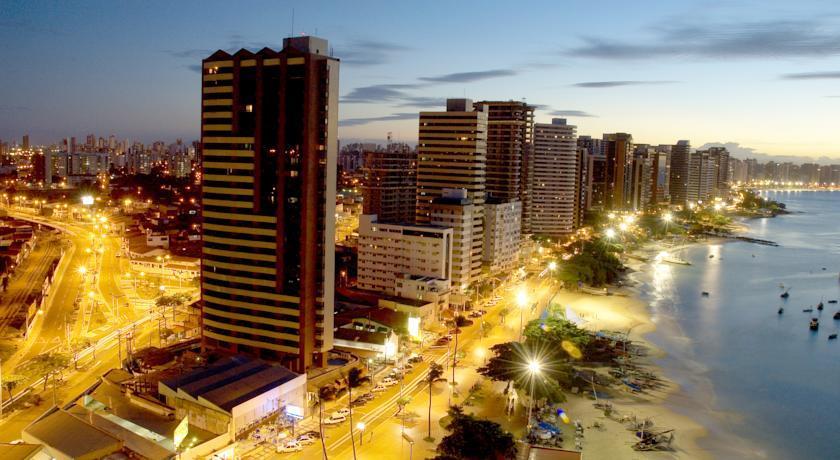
[610, 233]
[534, 368]
[623, 226]
[668, 217]
[522, 301]
[361, 427]
[552, 265]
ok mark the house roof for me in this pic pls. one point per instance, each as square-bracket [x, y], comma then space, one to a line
[385, 316]
[67, 434]
[231, 381]
[354, 335]
[19, 451]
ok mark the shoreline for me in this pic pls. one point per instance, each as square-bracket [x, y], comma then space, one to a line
[670, 407]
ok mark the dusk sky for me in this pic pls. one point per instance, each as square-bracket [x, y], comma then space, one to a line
[762, 74]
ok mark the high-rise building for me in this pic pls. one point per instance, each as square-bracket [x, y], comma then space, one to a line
[678, 182]
[389, 184]
[508, 175]
[26, 142]
[618, 151]
[451, 154]
[269, 123]
[454, 209]
[502, 237]
[701, 177]
[556, 193]
[720, 164]
[594, 173]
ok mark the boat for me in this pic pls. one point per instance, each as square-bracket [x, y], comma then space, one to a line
[832, 301]
[807, 310]
[711, 256]
[705, 294]
[815, 324]
[781, 310]
[820, 306]
[785, 294]
[837, 315]
[832, 336]
[781, 285]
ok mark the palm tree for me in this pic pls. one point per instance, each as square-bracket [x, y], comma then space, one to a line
[460, 322]
[353, 379]
[435, 372]
[321, 425]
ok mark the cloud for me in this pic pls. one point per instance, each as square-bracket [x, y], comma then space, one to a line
[811, 76]
[195, 67]
[572, 113]
[423, 101]
[368, 52]
[392, 117]
[614, 84]
[466, 77]
[13, 108]
[747, 40]
[378, 93]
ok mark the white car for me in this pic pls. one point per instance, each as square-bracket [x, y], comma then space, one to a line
[305, 440]
[379, 388]
[335, 419]
[343, 412]
[388, 381]
[290, 446]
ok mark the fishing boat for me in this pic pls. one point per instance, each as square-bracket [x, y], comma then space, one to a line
[711, 256]
[807, 310]
[832, 336]
[815, 324]
[781, 310]
[705, 294]
[785, 294]
[837, 315]
[832, 301]
[820, 306]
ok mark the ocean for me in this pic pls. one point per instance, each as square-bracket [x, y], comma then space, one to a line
[762, 383]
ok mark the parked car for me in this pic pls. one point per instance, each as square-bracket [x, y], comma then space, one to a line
[388, 381]
[306, 440]
[358, 402]
[312, 434]
[416, 359]
[379, 388]
[290, 446]
[344, 412]
[442, 341]
[477, 313]
[335, 419]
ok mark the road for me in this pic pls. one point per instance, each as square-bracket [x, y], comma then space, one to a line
[28, 278]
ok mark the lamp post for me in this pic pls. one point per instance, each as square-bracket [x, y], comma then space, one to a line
[522, 301]
[361, 427]
[534, 368]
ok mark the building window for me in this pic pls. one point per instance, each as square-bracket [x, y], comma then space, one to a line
[249, 108]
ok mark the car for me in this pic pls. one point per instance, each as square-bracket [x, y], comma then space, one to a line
[368, 396]
[358, 402]
[442, 341]
[312, 434]
[334, 419]
[306, 440]
[378, 388]
[416, 359]
[290, 446]
[388, 381]
[344, 412]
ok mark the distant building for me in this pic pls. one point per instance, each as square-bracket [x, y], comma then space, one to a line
[388, 252]
[701, 177]
[556, 193]
[389, 184]
[268, 201]
[720, 164]
[678, 182]
[502, 237]
[618, 151]
[25, 142]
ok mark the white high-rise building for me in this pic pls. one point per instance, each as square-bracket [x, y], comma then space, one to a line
[555, 189]
[454, 210]
[502, 231]
[387, 252]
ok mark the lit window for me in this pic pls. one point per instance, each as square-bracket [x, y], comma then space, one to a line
[249, 108]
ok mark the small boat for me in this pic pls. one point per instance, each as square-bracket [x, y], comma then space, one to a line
[832, 336]
[785, 295]
[820, 306]
[807, 310]
[837, 315]
[781, 310]
[832, 301]
[815, 324]
[781, 285]
[711, 256]
[704, 294]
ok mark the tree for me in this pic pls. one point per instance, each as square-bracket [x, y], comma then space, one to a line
[435, 372]
[354, 377]
[472, 438]
[10, 381]
[552, 332]
[44, 365]
[509, 363]
[459, 322]
[503, 313]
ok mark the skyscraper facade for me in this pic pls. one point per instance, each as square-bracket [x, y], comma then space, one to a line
[618, 152]
[678, 182]
[269, 123]
[555, 192]
[389, 185]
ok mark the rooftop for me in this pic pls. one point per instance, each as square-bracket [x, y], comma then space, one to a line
[67, 434]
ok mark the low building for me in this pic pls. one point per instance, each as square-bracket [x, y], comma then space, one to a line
[23, 451]
[66, 437]
[233, 393]
[429, 290]
[178, 267]
[375, 330]
[390, 251]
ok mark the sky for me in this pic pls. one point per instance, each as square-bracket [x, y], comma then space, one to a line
[761, 76]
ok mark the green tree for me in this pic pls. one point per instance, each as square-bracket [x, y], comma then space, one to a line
[10, 381]
[510, 361]
[435, 372]
[471, 438]
[354, 377]
[45, 365]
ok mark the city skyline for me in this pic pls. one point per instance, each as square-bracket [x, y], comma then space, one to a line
[667, 73]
